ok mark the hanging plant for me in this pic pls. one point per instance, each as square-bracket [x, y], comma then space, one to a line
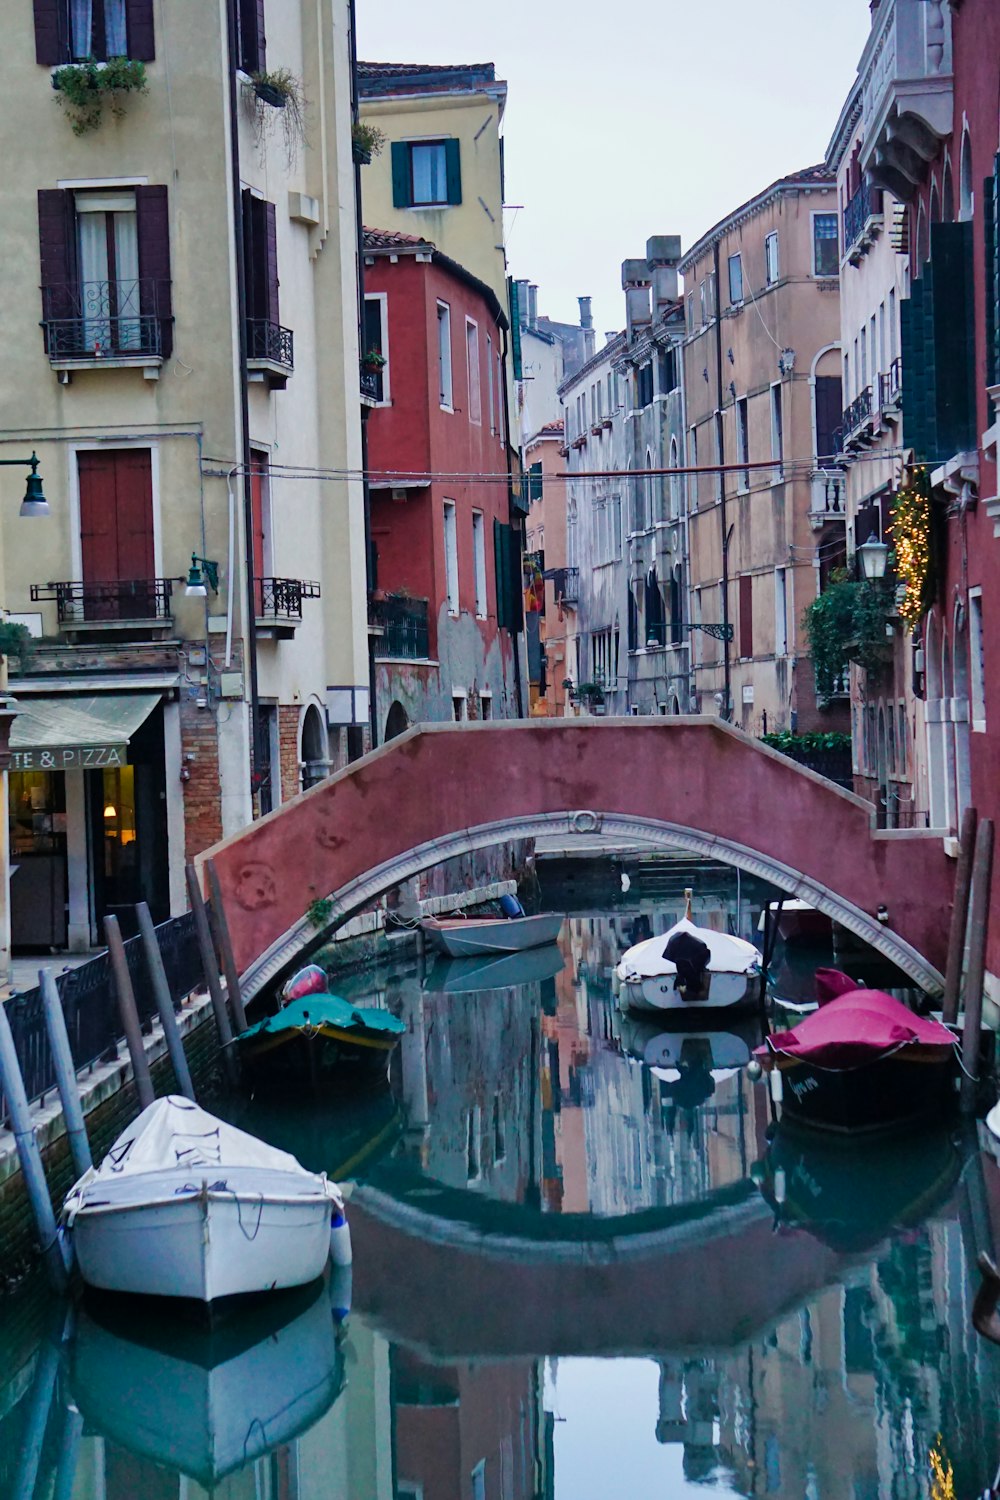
[910, 529]
[268, 97]
[366, 141]
[83, 88]
[847, 623]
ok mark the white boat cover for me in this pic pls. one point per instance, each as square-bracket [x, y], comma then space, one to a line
[730, 955]
[176, 1134]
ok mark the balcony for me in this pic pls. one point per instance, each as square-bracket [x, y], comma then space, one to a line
[400, 627]
[279, 605]
[370, 385]
[139, 606]
[863, 221]
[858, 422]
[826, 500]
[907, 92]
[112, 323]
[565, 584]
[270, 352]
[891, 392]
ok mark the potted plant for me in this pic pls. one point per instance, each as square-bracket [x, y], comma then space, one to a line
[278, 90]
[592, 695]
[373, 360]
[82, 88]
[847, 623]
[366, 141]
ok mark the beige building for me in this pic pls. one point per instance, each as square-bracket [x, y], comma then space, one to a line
[188, 374]
[762, 383]
[550, 619]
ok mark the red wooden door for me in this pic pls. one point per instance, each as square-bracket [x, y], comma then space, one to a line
[258, 483]
[116, 533]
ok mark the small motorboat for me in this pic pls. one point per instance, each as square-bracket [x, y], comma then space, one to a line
[512, 932]
[689, 967]
[797, 922]
[316, 1033]
[206, 1400]
[186, 1205]
[492, 971]
[861, 1062]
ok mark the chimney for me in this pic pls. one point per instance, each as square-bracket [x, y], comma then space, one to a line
[635, 285]
[586, 317]
[532, 306]
[663, 252]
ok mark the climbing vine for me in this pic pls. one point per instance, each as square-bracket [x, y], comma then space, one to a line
[910, 529]
[847, 623]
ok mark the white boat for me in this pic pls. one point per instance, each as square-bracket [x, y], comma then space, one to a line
[493, 971]
[186, 1205]
[462, 937]
[648, 980]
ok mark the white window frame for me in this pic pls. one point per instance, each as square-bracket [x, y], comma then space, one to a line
[451, 557]
[439, 142]
[777, 431]
[479, 559]
[382, 298]
[738, 258]
[490, 384]
[781, 640]
[473, 369]
[977, 676]
[743, 443]
[446, 375]
[772, 263]
[461, 701]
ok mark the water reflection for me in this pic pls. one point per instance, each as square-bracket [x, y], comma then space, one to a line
[584, 1267]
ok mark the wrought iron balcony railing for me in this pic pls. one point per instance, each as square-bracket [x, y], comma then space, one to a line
[891, 386]
[371, 383]
[118, 600]
[865, 205]
[858, 413]
[103, 319]
[269, 341]
[281, 598]
[565, 583]
[401, 626]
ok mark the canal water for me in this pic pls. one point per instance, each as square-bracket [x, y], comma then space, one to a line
[585, 1267]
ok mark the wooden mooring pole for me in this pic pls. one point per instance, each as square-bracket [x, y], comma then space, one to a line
[62, 1060]
[959, 917]
[224, 944]
[210, 964]
[29, 1155]
[164, 1000]
[982, 877]
[128, 1012]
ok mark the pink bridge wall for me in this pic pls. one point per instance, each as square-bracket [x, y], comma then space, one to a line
[701, 774]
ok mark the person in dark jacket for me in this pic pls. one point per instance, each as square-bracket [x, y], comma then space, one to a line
[691, 958]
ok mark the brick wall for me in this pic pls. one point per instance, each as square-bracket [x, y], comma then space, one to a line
[288, 750]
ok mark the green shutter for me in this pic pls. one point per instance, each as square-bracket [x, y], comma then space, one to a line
[507, 561]
[954, 339]
[535, 482]
[515, 328]
[401, 197]
[991, 225]
[500, 567]
[453, 171]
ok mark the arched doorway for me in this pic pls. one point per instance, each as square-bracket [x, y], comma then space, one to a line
[314, 756]
[396, 721]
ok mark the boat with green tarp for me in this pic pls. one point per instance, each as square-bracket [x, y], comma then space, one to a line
[316, 1034]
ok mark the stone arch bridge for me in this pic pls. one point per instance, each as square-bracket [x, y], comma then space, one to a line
[691, 782]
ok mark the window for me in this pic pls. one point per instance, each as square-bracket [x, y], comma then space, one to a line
[108, 249]
[74, 30]
[644, 386]
[666, 373]
[459, 710]
[976, 663]
[490, 384]
[426, 174]
[736, 280]
[675, 482]
[693, 479]
[892, 324]
[479, 559]
[771, 258]
[250, 25]
[743, 442]
[720, 478]
[863, 368]
[746, 615]
[260, 501]
[479, 1481]
[265, 339]
[376, 341]
[777, 431]
[472, 367]
[444, 355]
[451, 556]
[615, 527]
[485, 706]
[690, 312]
[781, 612]
[826, 245]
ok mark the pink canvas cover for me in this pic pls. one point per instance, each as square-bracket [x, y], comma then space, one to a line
[833, 982]
[858, 1027]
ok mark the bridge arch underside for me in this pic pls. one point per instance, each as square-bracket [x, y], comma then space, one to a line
[361, 891]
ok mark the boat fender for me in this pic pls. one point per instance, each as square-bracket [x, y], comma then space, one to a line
[780, 1186]
[754, 1070]
[341, 1252]
[511, 907]
[777, 1087]
[340, 1290]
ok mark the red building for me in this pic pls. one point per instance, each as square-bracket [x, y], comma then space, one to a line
[447, 577]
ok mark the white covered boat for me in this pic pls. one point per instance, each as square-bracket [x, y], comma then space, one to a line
[463, 937]
[706, 970]
[186, 1205]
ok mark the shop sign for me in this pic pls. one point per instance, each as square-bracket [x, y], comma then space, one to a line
[70, 758]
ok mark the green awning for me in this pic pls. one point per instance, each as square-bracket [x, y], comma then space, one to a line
[69, 734]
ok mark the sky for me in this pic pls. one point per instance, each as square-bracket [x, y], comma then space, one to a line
[628, 118]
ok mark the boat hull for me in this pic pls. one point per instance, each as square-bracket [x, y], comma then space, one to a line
[725, 992]
[466, 938]
[290, 1058]
[182, 1237]
[888, 1094]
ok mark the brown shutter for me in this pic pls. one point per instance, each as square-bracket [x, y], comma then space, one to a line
[153, 225]
[140, 30]
[57, 254]
[249, 204]
[134, 496]
[746, 614]
[271, 261]
[50, 36]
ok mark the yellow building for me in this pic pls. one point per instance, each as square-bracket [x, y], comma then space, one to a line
[180, 303]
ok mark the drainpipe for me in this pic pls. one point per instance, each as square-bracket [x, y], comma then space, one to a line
[518, 689]
[727, 710]
[366, 487]
[258, 758]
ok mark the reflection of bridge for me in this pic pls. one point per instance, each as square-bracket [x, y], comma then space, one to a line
[695, 783]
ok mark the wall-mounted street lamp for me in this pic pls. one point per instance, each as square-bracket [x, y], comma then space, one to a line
[34, 502]
[874, 555]
[200, 572]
